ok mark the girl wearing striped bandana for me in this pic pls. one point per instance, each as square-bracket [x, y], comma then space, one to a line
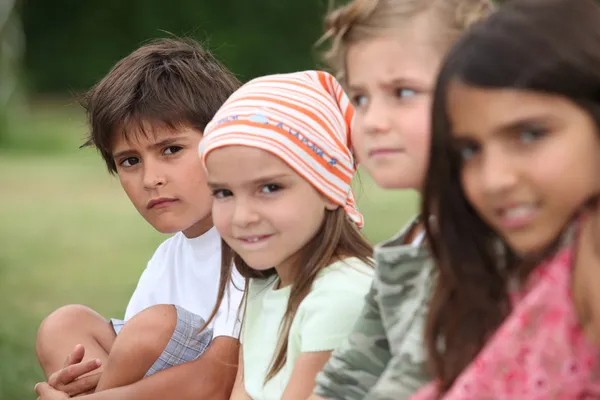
[278, 161]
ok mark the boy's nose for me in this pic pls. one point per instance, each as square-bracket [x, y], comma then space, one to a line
[153, 176]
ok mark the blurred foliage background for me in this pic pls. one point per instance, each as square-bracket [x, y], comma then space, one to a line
[68, 234]
[73, 43]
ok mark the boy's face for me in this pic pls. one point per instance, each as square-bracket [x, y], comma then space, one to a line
[164, 179]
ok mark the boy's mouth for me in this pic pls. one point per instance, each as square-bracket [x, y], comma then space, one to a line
[160, 202]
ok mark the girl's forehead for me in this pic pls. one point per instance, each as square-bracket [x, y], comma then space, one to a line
[390, 57]
[471, 106]
[245, 162]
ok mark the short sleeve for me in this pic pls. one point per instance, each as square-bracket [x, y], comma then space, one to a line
[228, 319]
[331, 309]
[355, 366]
[141, 297]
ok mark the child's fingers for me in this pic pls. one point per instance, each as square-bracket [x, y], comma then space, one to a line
[42, 388]
[76, 356]
[72, 372]
[82, 385]
[47, 392]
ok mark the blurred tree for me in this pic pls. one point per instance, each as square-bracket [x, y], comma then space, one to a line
[72, 43]
[11, 50]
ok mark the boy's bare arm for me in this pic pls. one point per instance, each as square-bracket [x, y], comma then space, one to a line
[209, 377]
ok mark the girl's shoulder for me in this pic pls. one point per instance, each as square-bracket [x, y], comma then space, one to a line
[259, 286]
[349, 274]
[397, 261]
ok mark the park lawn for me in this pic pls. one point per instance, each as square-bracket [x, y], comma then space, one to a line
[68, 234]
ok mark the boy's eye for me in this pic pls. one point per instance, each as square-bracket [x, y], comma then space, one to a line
[221, 193]
[129, 162]
[172, 150]
[405, 92]
[270, 188]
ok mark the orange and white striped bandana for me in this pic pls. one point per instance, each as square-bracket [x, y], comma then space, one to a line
[304, 118]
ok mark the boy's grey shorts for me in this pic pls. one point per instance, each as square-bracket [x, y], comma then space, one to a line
[186, 344]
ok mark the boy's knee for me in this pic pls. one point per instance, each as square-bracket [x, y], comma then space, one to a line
[161, 318]
[66, 319]
[61, 325]
[152, 328]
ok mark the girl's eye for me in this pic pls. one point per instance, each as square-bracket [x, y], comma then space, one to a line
[404, 92]
[172, 150]
[221, 193]
[467, 152]
[129, 162]
[270, 188]
[531, 134]
[359, 100]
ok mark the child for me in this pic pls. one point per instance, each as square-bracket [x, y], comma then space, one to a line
[388, 53]
[513, 185]
[280, 169]
[147, 117]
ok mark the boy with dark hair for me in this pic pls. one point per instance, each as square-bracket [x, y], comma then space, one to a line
[146, 118]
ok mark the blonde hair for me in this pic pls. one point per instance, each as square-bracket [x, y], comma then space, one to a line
[366, 19]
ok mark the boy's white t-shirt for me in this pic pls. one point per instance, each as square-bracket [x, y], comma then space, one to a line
[185, 272]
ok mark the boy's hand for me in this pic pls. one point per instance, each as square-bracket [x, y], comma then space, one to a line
[46, 392]
[69, 379]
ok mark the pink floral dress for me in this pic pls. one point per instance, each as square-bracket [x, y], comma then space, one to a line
[539, 352]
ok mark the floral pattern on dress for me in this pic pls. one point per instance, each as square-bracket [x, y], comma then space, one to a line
[539, 352]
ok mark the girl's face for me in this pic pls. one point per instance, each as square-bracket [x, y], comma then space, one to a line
[262, 208]
[529, 160]
[389, 80]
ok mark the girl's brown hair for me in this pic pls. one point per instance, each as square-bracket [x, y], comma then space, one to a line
[366, 19]
[546, 46]
[337, 238]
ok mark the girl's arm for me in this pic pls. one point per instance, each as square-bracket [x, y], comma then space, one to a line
[357, 364]
[239, 390]
[302, 380]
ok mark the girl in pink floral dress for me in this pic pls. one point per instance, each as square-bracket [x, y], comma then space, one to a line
[512, 205]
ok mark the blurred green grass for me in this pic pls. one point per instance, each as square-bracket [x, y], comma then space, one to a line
[68, 234]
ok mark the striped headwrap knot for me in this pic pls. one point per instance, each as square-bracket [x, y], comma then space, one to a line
[304, 118]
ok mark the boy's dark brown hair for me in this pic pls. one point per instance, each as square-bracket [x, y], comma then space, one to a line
[167, 83]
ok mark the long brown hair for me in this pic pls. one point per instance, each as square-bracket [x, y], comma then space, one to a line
[337, 238]
[550, 46]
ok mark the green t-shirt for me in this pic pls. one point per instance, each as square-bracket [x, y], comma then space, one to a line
[324, 319]
[383, 358]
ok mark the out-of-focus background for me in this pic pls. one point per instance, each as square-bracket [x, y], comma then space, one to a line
[67, 232]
